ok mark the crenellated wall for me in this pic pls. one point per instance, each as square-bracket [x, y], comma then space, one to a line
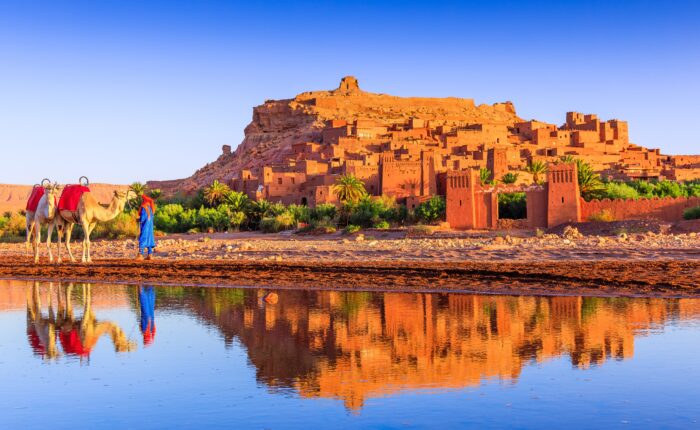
[666, 209]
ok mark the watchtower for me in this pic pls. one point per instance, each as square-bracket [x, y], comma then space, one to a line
[563, 197]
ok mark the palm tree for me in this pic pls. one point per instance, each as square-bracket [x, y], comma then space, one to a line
[510, 178]
[484, 176]
[537, 169]
[155, 194]
[568, 159]
[348, 188]
[215, 193]
[236, 201]
[138, 188]
[589, 182]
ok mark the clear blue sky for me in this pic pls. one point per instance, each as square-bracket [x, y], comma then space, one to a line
[125, 91]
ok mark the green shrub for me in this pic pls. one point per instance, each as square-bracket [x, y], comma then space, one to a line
[323, 211]
[431, 210]
[620, 190]
[512, 206]
[124, 226]
[278, 223]
[382, 225]
[300, 213]
[352, 228]
[13, 224]
[692, 213]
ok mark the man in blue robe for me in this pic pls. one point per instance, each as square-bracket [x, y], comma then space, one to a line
[146, 240]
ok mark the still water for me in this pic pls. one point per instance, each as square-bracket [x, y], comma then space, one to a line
[111, 356]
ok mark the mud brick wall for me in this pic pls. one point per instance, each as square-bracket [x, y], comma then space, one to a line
[666, 209]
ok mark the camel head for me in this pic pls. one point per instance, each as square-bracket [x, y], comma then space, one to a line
[52, 194]
[121, 197]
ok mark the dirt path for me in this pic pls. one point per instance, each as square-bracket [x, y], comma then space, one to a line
[624, 278]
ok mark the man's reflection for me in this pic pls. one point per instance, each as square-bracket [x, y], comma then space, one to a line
[147, 304]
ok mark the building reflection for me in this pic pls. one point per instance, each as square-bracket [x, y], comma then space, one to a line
[353, 346]
[77, 333]
[357, 345]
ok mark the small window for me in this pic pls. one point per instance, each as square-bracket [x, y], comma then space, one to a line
[293, 181]
[562, 199]
[279, 181]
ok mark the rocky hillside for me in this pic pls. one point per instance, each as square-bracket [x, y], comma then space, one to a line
[277, 124]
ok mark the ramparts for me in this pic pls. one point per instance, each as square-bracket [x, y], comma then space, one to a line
[666, 209]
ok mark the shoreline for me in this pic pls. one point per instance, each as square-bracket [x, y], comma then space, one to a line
[662, 278]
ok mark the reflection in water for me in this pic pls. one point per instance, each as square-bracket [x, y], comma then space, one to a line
[77, 335]
[357, 345]
[147, 305]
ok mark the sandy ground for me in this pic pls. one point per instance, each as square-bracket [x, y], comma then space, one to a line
[645, 263]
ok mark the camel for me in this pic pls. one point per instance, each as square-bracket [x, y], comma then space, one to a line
[88, 214]
[29, 216]
[44, 215]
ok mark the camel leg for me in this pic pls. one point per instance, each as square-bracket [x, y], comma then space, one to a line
[29, 228]
[86, 241]
[90, 228]
[69, 231]
[37, 240]
[49, 232]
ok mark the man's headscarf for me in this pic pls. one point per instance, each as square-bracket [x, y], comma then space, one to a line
[147, 202]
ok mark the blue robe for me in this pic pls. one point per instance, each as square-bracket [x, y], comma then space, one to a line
[147, 303]
[146, 239]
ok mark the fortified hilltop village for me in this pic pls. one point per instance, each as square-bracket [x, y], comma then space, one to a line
[414, 148]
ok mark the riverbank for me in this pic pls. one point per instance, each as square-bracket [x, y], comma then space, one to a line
[630, 264]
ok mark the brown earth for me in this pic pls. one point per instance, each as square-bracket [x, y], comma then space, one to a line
[657, 279]
[632, 264]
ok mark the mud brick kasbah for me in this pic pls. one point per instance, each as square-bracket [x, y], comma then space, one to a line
[412, 148]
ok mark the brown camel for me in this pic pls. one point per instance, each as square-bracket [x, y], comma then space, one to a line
[88, 214]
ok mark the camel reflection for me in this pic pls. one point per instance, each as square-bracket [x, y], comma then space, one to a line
[352, 346]
[41, 330]
[77, 335]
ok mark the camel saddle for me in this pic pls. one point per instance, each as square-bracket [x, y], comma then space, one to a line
[33, 202]
[70, 197]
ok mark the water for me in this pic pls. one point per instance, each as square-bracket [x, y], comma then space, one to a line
[109, 356]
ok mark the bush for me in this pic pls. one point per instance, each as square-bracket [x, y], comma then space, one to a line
[692, 213]
[431, 210]
[512, 206]
[13, 224]
[278, 223]
[352, 228]
[620, 190]
[124, 226]
[300, 213]
[602, 216]
[324, 211]
[382, 225]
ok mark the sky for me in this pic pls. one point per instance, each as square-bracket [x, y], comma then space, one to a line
[124, 91]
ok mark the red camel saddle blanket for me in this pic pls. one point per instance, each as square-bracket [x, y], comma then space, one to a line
[33, 202]
[71, 196]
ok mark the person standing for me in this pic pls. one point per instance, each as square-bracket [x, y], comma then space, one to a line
[146, 240]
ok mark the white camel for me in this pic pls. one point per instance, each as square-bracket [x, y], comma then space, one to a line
[29, 216]
[44, 215]
[88, 214]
